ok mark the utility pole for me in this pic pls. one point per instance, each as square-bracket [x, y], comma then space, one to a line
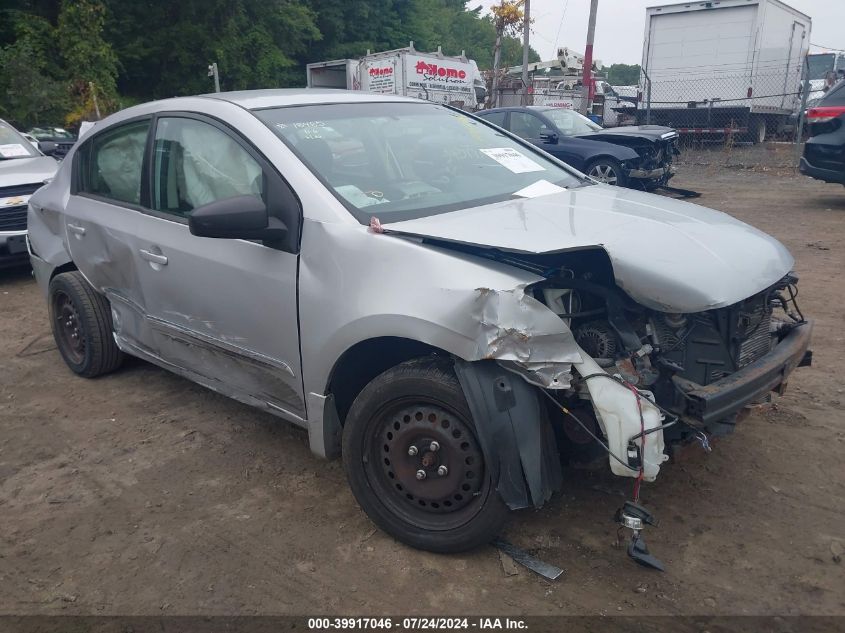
[526, 27]
[212, 72]
[805, 91]
[587, 74]
[94, 97]
[497, 56]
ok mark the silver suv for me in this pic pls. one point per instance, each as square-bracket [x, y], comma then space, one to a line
[453, 310]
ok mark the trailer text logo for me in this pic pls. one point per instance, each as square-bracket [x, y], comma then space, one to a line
[380, 72]
[433, 71]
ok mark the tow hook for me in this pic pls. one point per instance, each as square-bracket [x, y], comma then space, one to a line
[635, 517]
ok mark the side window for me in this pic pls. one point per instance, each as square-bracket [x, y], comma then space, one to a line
[196, 163]
[526, 125]
[496, 118]
[111, 166]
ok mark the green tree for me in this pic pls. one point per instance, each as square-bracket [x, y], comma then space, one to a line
[89, 60]
[256, 44]
[31, 96]
[623, 74]
[52, 51]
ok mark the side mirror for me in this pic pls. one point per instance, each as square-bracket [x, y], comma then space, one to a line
[548, 137]
[240, 217]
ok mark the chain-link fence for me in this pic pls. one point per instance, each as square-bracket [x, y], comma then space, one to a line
[750, 105]
[708, 105]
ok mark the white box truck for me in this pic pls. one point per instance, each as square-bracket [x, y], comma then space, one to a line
[407, 72]
[723, 66]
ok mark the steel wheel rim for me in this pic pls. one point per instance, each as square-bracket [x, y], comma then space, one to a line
[439, 501]
[68, 327]
[604, 173]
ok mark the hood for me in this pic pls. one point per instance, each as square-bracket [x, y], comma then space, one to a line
[647, 132]
[27, 171]
[668, 255]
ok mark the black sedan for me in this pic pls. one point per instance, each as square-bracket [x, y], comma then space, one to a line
[53, 141]
[636, 156]
[824, 151]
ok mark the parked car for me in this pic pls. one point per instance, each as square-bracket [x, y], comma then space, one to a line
[32, 140]
[824, 151]
[424, 292]
[636, 156]
[53, 141]
[23, 169]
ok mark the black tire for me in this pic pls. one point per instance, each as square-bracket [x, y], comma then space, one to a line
[80, 318]
[607, 170]
[414, 403]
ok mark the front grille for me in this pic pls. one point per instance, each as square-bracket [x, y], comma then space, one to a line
[13, 218]
[759, 339]
[710, 346]
[20, 190]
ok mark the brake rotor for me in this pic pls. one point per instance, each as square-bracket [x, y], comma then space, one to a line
[431, 459]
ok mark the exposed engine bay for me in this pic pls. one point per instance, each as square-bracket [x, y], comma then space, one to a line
[638, 394]
[665, 356]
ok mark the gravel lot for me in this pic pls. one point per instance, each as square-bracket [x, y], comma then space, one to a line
[141, 493]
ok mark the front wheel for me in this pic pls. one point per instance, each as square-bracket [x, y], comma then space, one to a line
[607, 171]
[414, 462]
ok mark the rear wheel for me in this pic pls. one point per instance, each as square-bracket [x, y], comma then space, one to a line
[607, 171]
[80, 318]
[414, 462]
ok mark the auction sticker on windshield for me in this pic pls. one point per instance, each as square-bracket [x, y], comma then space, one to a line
[513, 160]
[13, 150]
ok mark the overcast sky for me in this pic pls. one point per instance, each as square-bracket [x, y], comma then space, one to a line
[621, 23]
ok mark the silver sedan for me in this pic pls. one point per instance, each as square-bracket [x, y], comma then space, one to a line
[454, 311]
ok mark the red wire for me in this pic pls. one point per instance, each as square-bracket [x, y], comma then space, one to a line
[639, 478]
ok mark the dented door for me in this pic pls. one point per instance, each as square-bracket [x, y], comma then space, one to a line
[222, 310]
[100, 220]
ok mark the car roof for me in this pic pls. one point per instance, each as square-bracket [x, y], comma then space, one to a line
[516, 108]
[280, 97]
[253, 100]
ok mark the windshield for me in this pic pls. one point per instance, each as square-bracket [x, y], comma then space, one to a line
[570, 122]
[50, 133]
[400, 161]
[13, 145]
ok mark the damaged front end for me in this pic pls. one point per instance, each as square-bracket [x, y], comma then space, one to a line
[630, 383]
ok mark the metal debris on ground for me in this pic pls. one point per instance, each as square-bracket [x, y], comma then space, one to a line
[508, 565]
[546, 570]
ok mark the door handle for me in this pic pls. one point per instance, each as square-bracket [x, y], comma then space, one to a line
[155, 258]
[78, 230]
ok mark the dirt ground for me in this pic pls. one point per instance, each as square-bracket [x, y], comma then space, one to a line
[141, 493]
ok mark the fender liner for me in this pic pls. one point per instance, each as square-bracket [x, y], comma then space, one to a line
[514, 432]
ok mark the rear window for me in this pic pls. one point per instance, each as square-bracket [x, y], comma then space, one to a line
[110, 164]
